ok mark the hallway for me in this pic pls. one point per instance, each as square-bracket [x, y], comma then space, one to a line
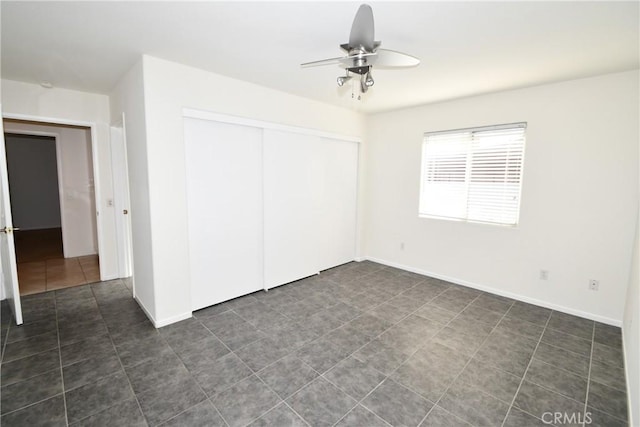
[42, 266]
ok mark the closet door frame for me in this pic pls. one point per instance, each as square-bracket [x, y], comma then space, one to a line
[224, 118]
[190, 113]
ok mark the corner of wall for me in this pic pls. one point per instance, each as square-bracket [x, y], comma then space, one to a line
[128, 97]
[631, 333]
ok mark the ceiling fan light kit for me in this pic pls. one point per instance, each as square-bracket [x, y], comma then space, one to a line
[343, 79]
[363, 53]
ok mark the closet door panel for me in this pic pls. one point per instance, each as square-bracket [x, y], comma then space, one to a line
[337, 215]
[225, 210]
[292, 181]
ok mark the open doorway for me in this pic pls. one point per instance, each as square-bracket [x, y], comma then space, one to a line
[53, 202]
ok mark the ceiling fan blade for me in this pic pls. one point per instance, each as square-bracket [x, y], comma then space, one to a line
[391, 59]
[362, 30]
[329, 61]
[343, 61]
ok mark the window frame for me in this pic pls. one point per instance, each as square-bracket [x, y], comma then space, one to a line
[468, 172]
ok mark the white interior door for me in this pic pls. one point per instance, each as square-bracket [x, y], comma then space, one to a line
[224, 201]
[292, 180]
[121, 200]
[7, 247]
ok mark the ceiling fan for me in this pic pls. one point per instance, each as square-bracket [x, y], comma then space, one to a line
[363, 52]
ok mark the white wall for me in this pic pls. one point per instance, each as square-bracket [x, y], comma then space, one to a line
[631, 333]
[168, 87]
[26, 99]
[77, 191]
[128, 97]
[579, 197]
[33, 181]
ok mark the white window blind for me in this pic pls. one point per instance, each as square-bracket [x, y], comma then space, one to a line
[473, 174]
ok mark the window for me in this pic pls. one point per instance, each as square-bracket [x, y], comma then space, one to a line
[473, 174]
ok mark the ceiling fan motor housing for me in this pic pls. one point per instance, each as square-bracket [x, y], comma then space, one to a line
[360, 65]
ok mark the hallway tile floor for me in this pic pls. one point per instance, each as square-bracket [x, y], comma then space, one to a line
[42, 266]
[40, 276]
[358, 345]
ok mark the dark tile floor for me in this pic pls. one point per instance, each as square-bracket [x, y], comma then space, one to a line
[358, 345]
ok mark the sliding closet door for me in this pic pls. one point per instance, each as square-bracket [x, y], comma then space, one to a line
[224, 192]
[337, 219]
[293, 172]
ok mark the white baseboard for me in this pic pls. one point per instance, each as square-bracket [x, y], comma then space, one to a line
[632, 417]
[144, 309]
[109, 276]
[174, 319]
[490, 289]
[162, 322]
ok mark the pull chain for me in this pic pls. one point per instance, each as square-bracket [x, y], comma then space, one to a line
[353, 96]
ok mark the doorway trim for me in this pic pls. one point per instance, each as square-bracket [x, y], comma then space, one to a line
[121, 197]
[94, 158]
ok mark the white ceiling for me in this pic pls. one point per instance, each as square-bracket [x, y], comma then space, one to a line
[466, 48]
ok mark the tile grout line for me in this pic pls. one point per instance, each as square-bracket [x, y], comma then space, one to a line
[230, 352]
[599, 382]
[294, 411]
[321, 375]
[282, 401]
[64, 394]
[524, 374]
[258, 377]
[46, 281]
[33, 403]
[294, 321]
[586, 397]
[415, 351]
[359, 402]
[115, 349]
[470, 358]
[5, 339]
[83, 274]
[587, 378]
[256, 372]
[293, 353]
[565, 350]
[208, 399]
[352, 353]
[365, 311]
[2, 362]
[29, 355]
[546, 387]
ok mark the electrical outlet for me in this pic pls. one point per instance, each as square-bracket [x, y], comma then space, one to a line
[594, 284]
[544, 274]
[402, 246]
